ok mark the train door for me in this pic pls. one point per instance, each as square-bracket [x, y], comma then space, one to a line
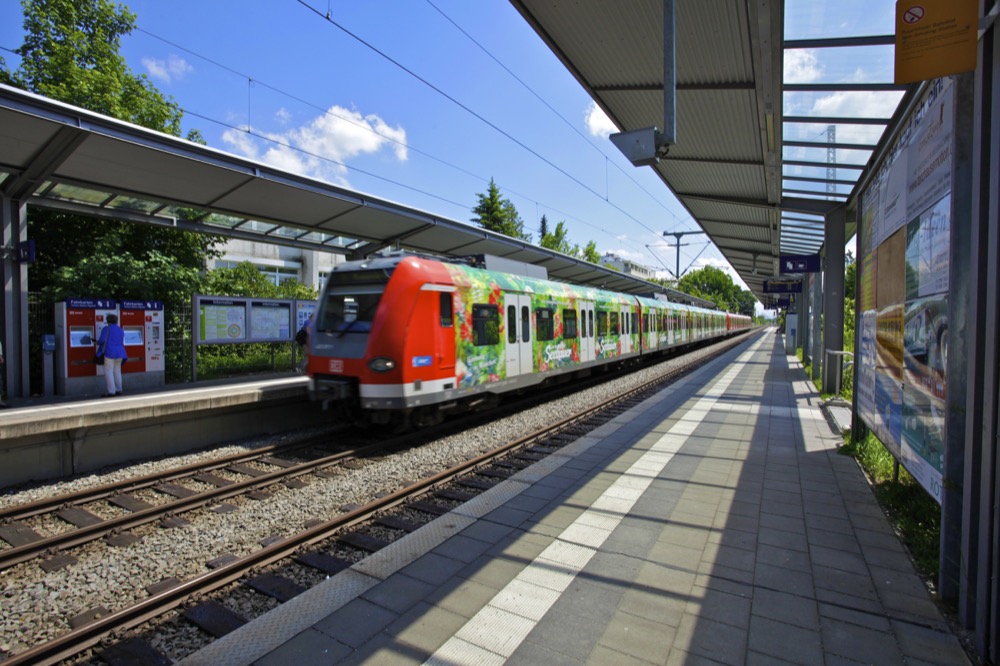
[518, 313]
[586, 329]
[445, 331]
[649, 318]
[625, 331]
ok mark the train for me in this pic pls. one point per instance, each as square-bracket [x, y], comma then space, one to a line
[408, 339]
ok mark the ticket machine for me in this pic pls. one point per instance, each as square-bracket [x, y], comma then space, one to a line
[142, 322]
[79, 322]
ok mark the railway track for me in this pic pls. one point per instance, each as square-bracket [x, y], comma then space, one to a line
[320, 546]
[112, 511]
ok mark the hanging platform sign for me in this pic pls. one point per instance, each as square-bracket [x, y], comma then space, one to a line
[782, 286]
[800, 263]
[935, 38]
[784, 301]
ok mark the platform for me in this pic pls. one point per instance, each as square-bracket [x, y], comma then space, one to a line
[58, 437]
[715, 523]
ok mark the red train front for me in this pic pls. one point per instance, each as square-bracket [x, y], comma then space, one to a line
[383, 337]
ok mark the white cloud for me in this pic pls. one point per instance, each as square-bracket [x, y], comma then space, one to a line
[319, 148]
[802, 66]
[282, 116]
[598, 123]
[174, 68]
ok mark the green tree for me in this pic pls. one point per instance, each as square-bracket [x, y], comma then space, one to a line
[710, 283]
[245, 279]
[745, 303]
[557, 240]
[591, 254]
[499, 214]
[70, 53]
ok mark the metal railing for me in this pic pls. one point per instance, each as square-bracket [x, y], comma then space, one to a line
[839, 367]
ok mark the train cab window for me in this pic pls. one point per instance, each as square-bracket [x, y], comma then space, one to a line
[511, 324]
[525, 324]
[447, 310]
[602, 323]
[569, 324]
[544, 325]
[613, 328]
[485, 325]
[348, 310]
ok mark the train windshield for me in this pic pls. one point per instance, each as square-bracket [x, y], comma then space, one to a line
[350, 301]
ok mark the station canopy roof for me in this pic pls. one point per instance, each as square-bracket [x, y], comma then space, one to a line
[756, 178]
[756, 163]
[61, 157]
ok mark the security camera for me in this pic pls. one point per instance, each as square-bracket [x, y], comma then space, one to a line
[642, 147]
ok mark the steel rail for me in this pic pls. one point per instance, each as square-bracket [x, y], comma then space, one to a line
[82, 535]
[47, 504]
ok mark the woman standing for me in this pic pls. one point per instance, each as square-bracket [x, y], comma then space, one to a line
[112, 345]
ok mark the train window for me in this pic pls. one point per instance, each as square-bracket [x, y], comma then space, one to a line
[447, 310]
[485, 325]
[349, 309]
[544, 326]
[645, 323]
[613, 328]
[525, 324]
[569, 324]
[511, 324]
[602, 323]
[634, 319]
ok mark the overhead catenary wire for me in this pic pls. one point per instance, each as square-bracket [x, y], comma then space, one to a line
[467, 109]
[249, 131]
[252, 81]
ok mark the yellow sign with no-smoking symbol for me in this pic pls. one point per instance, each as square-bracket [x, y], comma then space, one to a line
[935, 38]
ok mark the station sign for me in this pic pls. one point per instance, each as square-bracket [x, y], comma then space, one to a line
[800, 263]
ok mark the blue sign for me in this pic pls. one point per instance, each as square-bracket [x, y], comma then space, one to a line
[800, 263]
[26, 251]
[91, 303]
[48, 342]
[421, 361]
[142, 305]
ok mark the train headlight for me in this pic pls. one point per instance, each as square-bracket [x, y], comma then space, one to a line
[382, 364]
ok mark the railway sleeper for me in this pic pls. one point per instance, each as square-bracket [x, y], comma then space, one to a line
[133, 652]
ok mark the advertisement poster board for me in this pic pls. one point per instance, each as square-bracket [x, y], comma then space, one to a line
[904, 265]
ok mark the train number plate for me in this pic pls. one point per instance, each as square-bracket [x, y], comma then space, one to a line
[336, 365]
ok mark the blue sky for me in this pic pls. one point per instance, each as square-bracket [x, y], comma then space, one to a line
[429, 99]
